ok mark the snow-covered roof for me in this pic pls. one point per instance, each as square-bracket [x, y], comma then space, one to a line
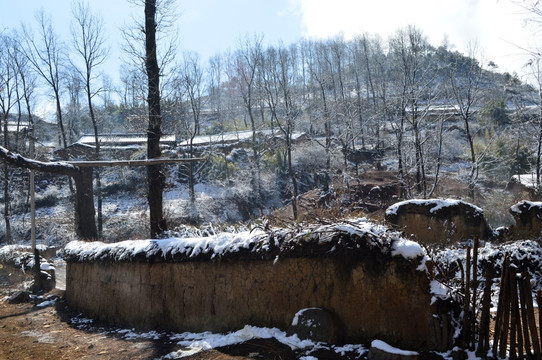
[233, 137]
[122, 139]
[356, 236]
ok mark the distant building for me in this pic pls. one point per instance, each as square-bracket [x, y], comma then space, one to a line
[112, 146]
[120, 140]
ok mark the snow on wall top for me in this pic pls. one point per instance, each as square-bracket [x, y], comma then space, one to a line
[355, 236]
[525, 204]
[435, 204]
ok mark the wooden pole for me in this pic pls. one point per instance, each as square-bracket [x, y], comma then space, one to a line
[513, 317]
[483, 341]
[474, 289]
[526, 278]
[148, 162]
[500, 305]
[32, 195]
[466, 302]
[517, 315]
[524, 320]
[505, 313]
[539, 301]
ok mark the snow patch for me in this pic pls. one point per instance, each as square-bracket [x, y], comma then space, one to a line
[438, 290]
[381, 345]
[407, 249]
[196, 342]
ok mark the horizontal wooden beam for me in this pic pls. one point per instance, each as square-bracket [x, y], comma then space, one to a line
[147, 162]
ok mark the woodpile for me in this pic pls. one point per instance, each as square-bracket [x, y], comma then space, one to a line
[515, 323]
[515, 334]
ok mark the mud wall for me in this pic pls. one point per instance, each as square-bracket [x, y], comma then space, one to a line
[374, 298]
[438, 220]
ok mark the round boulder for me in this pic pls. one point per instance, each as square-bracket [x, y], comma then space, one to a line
[317, 324]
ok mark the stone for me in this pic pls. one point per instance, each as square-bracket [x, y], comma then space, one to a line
[318, 325]
[47, 281]
[19, 297]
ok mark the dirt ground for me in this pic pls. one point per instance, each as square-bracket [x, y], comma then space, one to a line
[31, 332]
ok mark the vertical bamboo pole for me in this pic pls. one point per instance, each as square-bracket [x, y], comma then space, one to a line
[483, 341]
[517, 315]
[466, 302]
[499, 316]
[530, 315]
[505, 313]
[513, 317]
[474, 289]
[539, 301]
[524, 320]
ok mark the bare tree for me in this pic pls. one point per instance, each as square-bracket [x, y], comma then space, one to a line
[47, 55]
[154, 59]
[285, 106]
[465, 79]
[322, 77]
[408, 48]
[89, 45]
[73, 110]
[8, 79]
[248, 60]
[217, 103]
[191, 80]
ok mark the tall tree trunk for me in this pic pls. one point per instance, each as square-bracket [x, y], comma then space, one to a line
[400, 166]
[292, 175]
[84, 205]
[539, 148]
[6, 204]
[256, 177]
[472, 174]
[97, 149]
[155, 176]
[6, 183]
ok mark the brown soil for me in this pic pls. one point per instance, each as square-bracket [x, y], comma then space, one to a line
[30, 332]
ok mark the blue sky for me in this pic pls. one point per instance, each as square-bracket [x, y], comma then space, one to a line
[207, 27]
[213, 26]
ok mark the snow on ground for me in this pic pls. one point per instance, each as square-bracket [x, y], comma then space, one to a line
[193, 343]
[527, 180]
[381, 345]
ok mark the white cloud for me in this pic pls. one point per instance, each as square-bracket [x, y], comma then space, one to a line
[496, 26]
